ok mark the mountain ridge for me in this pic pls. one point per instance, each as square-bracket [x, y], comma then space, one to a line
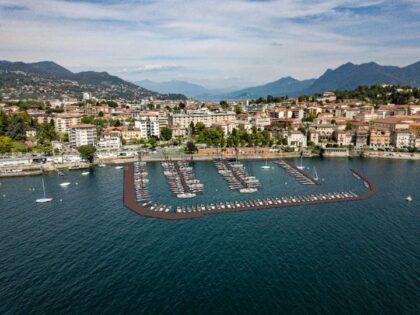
[47, 79]
[347, 76]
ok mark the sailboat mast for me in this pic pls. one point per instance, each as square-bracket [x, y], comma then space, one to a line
[43, 187]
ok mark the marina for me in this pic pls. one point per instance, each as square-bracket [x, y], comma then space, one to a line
[297, 173]
[237, 176]
[181, 179]
[148, 208]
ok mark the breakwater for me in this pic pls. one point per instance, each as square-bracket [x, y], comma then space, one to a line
[154, 210]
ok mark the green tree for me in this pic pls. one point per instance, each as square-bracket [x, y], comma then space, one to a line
[87, 120]
[112, 104]
[4, 123]
[87, 152]
[152, 142]
[190, 147]
[16, 128]
[6, 144]
[166, 133]
[224, 104]
[47, 132]
[237, 109]
[199, 127]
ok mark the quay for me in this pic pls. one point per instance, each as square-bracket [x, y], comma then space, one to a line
[300, 176]
[153, 210]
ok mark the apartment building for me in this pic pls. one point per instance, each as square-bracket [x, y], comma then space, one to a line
[63, 122]
[183, 120]
[148, 123]
[82, 134]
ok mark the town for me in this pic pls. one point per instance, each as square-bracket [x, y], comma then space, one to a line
[73, 132]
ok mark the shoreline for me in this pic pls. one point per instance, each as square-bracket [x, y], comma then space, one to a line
[39, 169]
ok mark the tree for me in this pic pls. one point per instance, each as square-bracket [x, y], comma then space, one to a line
[192, 128]
[166, 133]
[199, 127]
[4, 123]
[237, 109]
[6, 144]
[47, 132]
[224, 104]
[87, 152]
[112, 104]
[190, 147]
[153, 142]
[87, 120]
[16, 129]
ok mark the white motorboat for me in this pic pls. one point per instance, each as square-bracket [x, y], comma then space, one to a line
[247, 190]
[409, 198]
[118, 167]
[65, 184]
[85, 173]
[186, 195]
[44, 199]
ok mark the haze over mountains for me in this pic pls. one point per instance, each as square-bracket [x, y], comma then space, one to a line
[346, 77]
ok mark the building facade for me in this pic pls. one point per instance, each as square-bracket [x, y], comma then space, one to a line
[82, 134]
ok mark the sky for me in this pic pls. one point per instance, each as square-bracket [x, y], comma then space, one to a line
[215, 43]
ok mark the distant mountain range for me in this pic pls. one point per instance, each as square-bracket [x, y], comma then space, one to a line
[186, 88]
[346, 77]
[46, 80]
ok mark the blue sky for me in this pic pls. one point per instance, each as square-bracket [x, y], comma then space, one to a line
[216, 43]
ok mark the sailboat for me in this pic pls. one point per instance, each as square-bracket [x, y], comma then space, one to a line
[316, 174]
[43, 199]
[301, 167]
[266, 166]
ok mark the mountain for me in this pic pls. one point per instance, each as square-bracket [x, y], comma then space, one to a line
[183, 87]
[349, 76]
[48, 80]
[284, 86]
[346, 77]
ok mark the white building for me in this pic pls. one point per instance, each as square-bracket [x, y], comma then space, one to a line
[296, 139]
[183, 120]
[226, 126]
[109, 141]
[64, 121]
[86, 96]
[148, 123]
[82, 134]
[401, 139]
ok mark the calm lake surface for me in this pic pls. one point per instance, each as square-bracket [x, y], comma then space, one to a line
[84, 253]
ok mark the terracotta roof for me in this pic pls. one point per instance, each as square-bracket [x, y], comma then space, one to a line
[81, 126]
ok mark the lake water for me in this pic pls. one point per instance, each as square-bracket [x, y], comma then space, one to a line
[86, 253]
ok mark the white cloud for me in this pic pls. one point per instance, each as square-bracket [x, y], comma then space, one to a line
[204, 41]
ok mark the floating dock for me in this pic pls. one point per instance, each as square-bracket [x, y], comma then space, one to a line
[181, 179]
[150, 209]
[236, 176]
[300, 176]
